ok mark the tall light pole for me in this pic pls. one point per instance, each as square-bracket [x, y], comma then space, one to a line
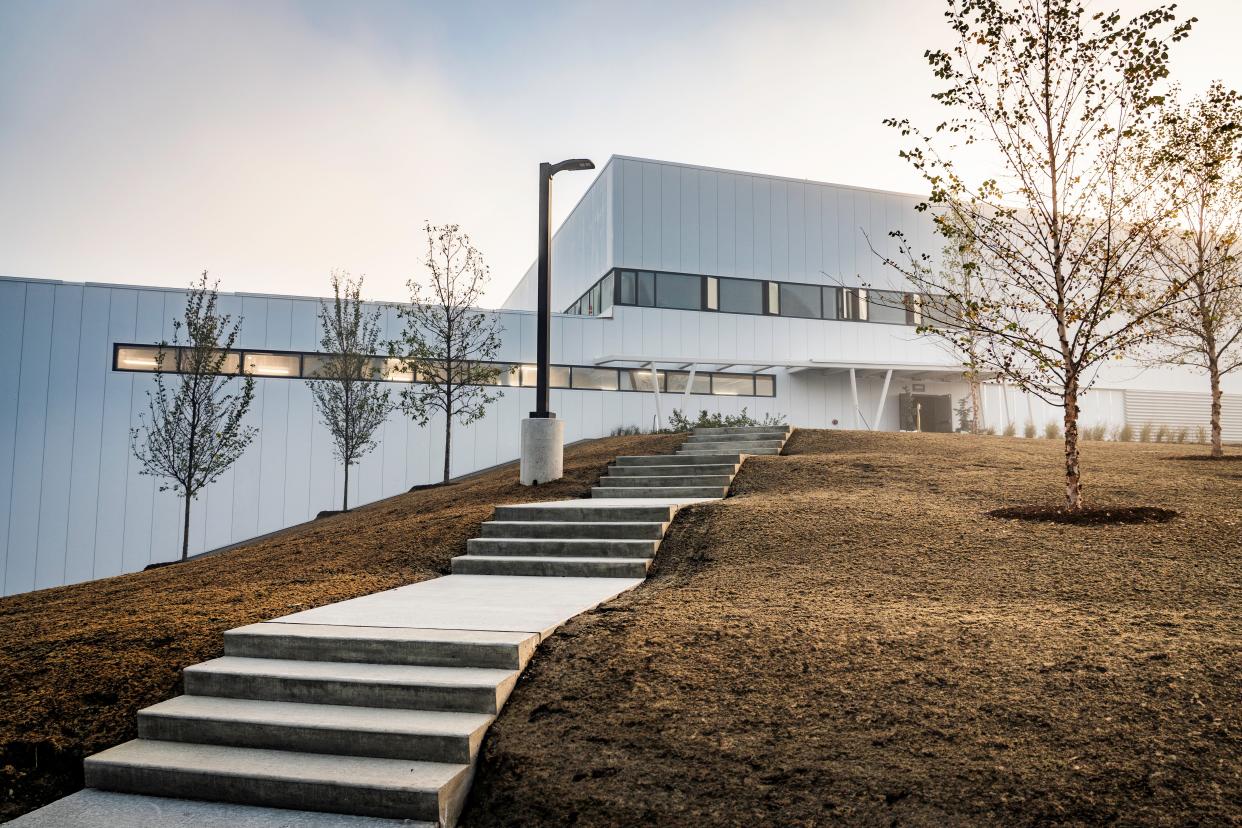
[543, 436]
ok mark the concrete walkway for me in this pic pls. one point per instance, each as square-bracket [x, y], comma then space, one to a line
[376, 707]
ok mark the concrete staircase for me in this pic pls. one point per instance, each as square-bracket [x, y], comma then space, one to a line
[704, 466]
[378, 706]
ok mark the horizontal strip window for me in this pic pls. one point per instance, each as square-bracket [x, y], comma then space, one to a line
[689, 291]
[295, 365]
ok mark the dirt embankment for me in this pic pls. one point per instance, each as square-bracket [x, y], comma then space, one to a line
[849, 639]
[77, 662]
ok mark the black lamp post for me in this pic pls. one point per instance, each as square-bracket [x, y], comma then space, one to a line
[544, 275]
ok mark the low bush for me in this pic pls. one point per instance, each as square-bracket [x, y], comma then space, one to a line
[1029, 430]
[1145, 433]
[1124, 434]
[1010, 430]
[1052, 430]
[678, 421]
[1095, 432]
[1163, 434]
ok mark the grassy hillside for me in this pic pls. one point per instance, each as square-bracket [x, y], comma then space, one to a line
[77, 662]
[848, 639]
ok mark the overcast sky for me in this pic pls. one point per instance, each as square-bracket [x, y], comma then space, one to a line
[270, 142]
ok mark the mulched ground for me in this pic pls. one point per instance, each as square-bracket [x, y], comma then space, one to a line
[850, 639]
[77, 662]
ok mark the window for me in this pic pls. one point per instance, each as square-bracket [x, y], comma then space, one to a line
[606, 293]
[733, 385]
[741, 296]
[765, 385]
[676, 382]
[852, 306]
[600, 379]
[323, 365]
[639, 379]
[394, 370]
[914, 308]
[558, 376]
[886, 306]
[800, 300]
[272, 365]
[680, 292]
[832, 303]
[774, 298]
[146, 359]
[712, 292]
[646, 289]
[629, 290]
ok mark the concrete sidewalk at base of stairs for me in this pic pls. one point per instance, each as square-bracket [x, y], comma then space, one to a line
[104, 809]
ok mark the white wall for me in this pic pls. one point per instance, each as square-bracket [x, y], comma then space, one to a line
[692, 219]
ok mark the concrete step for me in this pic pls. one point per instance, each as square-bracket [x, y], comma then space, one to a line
[783, 429]
[382, 645]
[659, 491]
[667, 480]
[743, 446]
[749, 437]
[562, 547]
[343, 730]
[463, 689]
[393, 788]
[551, 566]
[696, 452]
[673, 470]
[713, 458]
[638, 530]
[585, 513]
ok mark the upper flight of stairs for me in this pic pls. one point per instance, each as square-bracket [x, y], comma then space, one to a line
[387, 721]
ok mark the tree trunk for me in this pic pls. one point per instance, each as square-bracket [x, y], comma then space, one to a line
[345, 493]
[1073, 475]
[975, 404]
[185, 531]
[448, 444]
[1214, 373]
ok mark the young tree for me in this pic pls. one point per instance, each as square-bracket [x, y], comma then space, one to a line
[189, 436]
[348, 395]
[1054, 97]
[446, 342]
[1199, 148]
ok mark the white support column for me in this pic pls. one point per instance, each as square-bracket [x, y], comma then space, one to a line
[685, 398]
[655, 387]
[879, 409]
[1005, 401]
[854, 393]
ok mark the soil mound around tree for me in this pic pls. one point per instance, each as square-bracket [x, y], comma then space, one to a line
[851, 640]
[1098, 516]
[78, 662]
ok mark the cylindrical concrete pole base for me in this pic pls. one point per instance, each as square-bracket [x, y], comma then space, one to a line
[543, 450]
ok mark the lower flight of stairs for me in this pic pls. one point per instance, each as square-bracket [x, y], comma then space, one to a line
[371, 721]
[388, 721]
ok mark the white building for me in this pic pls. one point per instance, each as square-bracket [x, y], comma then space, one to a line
[753, 291]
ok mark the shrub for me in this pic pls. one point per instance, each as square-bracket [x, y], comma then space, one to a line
[1125, 434]
[678, 421]
[1010, 430]
[1029, 430]
[625, 431]
[1052, 430]
[1200, 434]
[1181, 434]
[1145, 433]
[1163, 434]
[1095, 432]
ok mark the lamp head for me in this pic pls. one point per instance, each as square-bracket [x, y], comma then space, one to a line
[572, 164]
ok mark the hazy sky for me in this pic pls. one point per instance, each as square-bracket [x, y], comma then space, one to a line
[270, 142]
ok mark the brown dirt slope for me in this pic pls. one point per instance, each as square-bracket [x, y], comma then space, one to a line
[77, 662]
[849, 640]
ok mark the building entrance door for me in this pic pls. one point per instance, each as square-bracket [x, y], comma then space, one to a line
[927, 412]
